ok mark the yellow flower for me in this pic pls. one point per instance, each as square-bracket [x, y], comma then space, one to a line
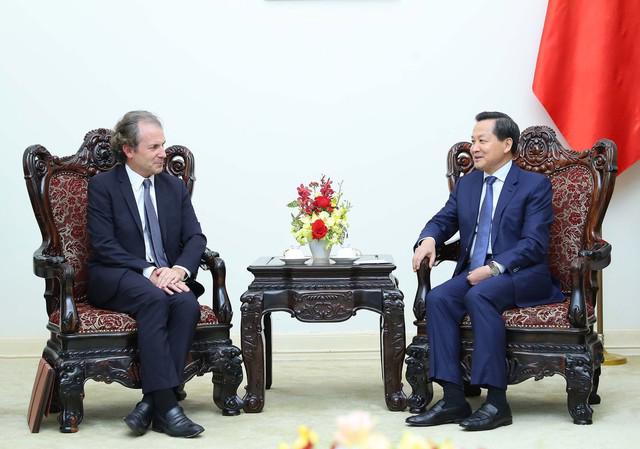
[410, 441]
[377, 441]
[306, 438]
[446, 444]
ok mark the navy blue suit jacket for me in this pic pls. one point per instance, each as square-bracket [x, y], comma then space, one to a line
[519, 233]
[116, 233]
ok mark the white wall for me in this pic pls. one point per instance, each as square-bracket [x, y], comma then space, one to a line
[269, 94]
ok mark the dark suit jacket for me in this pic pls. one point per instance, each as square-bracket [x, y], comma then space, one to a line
[519, 233]
[115, 230]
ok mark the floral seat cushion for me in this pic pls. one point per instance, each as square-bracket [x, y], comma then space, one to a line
[95, 320]
[544, 316]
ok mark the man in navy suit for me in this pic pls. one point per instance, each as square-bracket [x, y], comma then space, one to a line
[146, 245]
[503, 214]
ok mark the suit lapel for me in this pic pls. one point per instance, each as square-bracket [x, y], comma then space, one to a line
[509, 188]
[127, 193]
[474, 204]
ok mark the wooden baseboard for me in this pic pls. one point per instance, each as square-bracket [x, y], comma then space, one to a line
[356, 345]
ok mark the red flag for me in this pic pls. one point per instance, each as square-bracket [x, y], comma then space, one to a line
[588, 73]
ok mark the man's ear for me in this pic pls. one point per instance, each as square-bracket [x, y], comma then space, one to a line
[127, 150]
[508, 144]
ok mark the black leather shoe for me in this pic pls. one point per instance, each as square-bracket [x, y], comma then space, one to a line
[181, 395]
[139, 418]
[487, 417]
[438, 414]
[176, 424]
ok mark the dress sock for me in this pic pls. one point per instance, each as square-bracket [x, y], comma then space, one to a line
[497, 397]
[164, 400]
[453, 394]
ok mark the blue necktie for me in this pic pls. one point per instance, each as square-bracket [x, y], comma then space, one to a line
[484, 227]
[154, 227]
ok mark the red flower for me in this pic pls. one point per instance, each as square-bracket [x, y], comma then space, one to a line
[325, 187]
[318, 229]
[322, 202]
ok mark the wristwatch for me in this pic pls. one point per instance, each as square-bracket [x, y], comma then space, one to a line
[495, 269]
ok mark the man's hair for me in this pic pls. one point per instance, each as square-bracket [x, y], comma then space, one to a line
[126, 131]
[504, 127]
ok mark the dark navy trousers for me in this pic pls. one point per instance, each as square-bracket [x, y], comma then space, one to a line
[166, 325]
[446, 305]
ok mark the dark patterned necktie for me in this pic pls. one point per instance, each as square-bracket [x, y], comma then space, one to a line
[154, 227]
[484, 226]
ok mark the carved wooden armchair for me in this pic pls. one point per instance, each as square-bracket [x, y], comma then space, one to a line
[91, 343]
[548, 339]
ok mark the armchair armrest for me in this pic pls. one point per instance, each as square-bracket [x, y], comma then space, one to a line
[221, 305]
[599, 256]
[448, 251]
[62, 274]
[583, 271]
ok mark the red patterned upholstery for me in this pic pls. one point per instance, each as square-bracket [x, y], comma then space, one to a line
[545, 316]
[94, 320]
[68, 198]
[572, 190]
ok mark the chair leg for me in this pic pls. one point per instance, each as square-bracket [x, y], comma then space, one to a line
[579, 376]
[417, 375]
[70, 393]
[227, 376]
[594, 397]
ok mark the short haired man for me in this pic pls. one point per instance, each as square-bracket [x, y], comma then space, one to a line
[146, 245]
[503, 214]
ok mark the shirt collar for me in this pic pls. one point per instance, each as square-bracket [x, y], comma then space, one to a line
[137, 179]
[502, 172]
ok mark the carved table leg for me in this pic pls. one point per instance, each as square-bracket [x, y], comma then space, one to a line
[70, 387]
[579, 375]
[418, 374]
[393, 340]
[252, 351]
[267, 348]
[227, 376]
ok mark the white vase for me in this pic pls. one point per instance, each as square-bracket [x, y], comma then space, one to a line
[319, 252]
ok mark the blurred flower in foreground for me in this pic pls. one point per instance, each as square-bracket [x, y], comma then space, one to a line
[307, 439]
[354, 432]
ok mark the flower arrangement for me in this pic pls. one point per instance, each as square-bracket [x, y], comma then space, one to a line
[320, 214]
[355, 431]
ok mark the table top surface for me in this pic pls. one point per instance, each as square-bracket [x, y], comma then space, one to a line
[367, 260]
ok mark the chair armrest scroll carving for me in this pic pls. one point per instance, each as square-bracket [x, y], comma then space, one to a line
[211, 261]
[599, 256]
[448, 251]
[55, 268]
[583, 271]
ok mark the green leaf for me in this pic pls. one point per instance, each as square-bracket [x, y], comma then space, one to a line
[293, 204]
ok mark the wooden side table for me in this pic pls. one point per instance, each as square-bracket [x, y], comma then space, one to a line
[315, 294]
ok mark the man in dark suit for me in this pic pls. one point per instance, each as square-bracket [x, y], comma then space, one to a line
[503, 214]
[146, 245]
